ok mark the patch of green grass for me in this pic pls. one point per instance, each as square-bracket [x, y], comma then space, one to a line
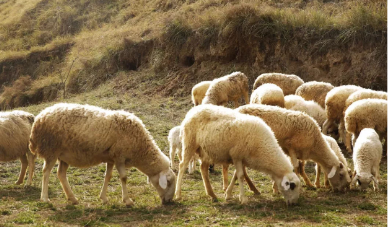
[365, 219]
[25, 218]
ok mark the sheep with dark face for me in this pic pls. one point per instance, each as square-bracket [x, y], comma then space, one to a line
[15, 129]
[85, 136]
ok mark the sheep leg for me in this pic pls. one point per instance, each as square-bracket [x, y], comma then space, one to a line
[235, 101]
[275, 188]
[206, 181]
[304, 175]
[123, 177]
[23, 170]
[31, 167]
[347, 142]
[62, 168]
[246, 97]
[229, 190]
[326, 126]
[182, 168]
[172, 155]
[47, 167]
[225, 176]
[108, 176]
[341, 130]
[240, 175]
[250, 183]
[318, 175]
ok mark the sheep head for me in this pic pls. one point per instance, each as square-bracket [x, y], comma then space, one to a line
[339, 177]
[289, 186]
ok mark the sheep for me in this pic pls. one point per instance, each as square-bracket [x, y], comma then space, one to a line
[366, 158]
[229, 87]
[198, 92]
[367, 113]
[337, 150]
[314, 91]
[334, 106]
[85, 136]
[300, 137]
[287, 82]
[15, 129]
[359, 95]
[221, 135]
[269, 94]
[311, 108]
[176, 148]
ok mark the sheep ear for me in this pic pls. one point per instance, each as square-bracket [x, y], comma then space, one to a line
[341, 165]
[332, 172]
[285, 184]
[163, 181]
[374, 180]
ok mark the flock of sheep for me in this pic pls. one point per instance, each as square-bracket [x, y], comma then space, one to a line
[276, 133]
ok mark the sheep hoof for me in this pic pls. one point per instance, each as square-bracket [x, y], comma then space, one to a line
[214, 200]
[74, 201]
[104, 200]
[18, 182]
[45, 200]
[178, 198]
[228, 197]
[128, 202]
[243, 199]
[256, 192]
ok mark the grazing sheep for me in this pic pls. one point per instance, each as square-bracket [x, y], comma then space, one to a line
[367, 113]
[315, 91]
[15, 129]
[287, 82]
[229, 87]
[84, 136]
[359, 95]
[334, 107]
[198, 92]
[311, 108]
[176, 148]
[269, 94]
[300, 137]
[221, 135]
[366, 158]
[337, 150]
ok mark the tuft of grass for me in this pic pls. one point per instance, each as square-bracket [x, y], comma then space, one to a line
[25, 218]
[365, 219]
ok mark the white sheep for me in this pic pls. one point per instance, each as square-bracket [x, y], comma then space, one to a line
[337, 150]
[221, 135]
[314, 91]
[359, 95]
[198, 92]
[287, 82]
[84, 136]
[311, 108]
[334, 107]
[367, 113]
[176, 148]
[15, 129]
[366, 158]
[227, 88]
[269, 94]
[300, 137]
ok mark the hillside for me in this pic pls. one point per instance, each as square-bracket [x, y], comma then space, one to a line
[49, 46]
[144, 56]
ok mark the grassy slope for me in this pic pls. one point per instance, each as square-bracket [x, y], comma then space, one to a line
[95, 45]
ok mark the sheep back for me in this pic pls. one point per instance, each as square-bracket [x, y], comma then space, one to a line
[315, 91]
[198, 92]
[269, 94]
[364, 94]
[335, 101]
[287, 82]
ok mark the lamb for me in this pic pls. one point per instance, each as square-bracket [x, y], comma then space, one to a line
[334, 106]
[15, 129]
[366, 158]
[269, 94]
[359, 95]
[287, 82]
[314, 91]
[367, 113]
[221, 135]
[84, 136]
[229, 87]
[176, 148]
[311, 108]
[337, 150]
[198, 92]
[300, 137]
